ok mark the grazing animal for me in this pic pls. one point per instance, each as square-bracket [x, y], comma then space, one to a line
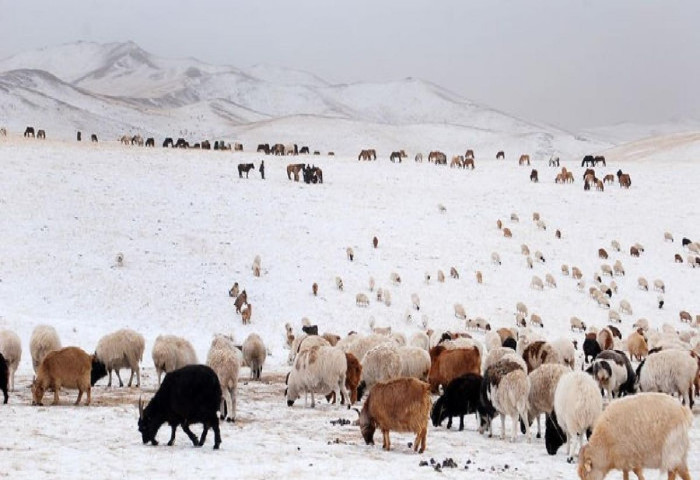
[524, 160]
[171, 353]
[460, 398]
[381, 362]
[500, 155]
[618, 268]
[191, 394]
[241, 300]
[245, 168]
[459, 311]
[11, 350]
[637, 345]
[447, 364]
[234, 291]
[602, 254]
[246, 313]
[685, 317]
[361, 300]
[339, 283]
[314, 289]
[507, 233]
[317, 370]
[624, 179]
[350, 253]
[44, 339]
[648, 430]
[495, 258]
[223, 358]
[401, 404]
[4, 373]
[29, 132]
[538, 353]
[669, 371]
[533, 176]
[65, 368]
[479, 277]
[121, 349]
[543, 384]
[613, 372]
[254, 355]
[677, 258]
[504, 390]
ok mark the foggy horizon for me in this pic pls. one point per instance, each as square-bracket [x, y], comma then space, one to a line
[575, 65]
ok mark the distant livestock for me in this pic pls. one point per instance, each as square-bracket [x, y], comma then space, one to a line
[11, 350]
[171, 353]
[245, 168]
[317, 370]
[121, 349]
[254, 355]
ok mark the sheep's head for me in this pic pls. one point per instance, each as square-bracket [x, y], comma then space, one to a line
[587, 465]
[367, 425]
[147, 426]
[37, 393]
[437, 415]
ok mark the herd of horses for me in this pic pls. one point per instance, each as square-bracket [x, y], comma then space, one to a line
[280, 149]
[310, 173]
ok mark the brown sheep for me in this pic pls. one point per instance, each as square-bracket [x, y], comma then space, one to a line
[538, 353]
[507, 233]
[499, 224]
[677, 258]
[605, 339]
[353, 375]
[557, 234]
[241, 299]
[602, 254]
[479, 277]
[637, 345]
[446, 365]
[68, 367]
[506, 333]
[403, 405]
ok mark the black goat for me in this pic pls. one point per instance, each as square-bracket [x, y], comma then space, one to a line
[4, 371]
[191, 394]
[461, 397]
[591, 348]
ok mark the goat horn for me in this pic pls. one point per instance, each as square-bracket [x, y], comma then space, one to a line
[358, 412]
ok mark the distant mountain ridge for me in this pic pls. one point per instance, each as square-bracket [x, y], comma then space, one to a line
[121, 87]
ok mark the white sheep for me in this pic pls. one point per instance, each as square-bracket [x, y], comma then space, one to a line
[492, 340]
[541, 225]
[514, 217]
[539, 257]
[613, 286]
[603, 301]
[395, 278]
[339, 283]
[543, 384]
[536, 320]
[415, 301]
[421, 340]
[615, 245]
[606, 269]
[613, 316]
[648, 430]
[551, 282]
[415, 362]
[387, 298]
[577, 404]
[256, 266]
[254, 354]
[350, 253]
[521, 308]
[625, 307]
[618, 269]
[122, 349]
[642, 283]
[361, 300]
[536, 283]
[566, 351]
[668, 237]
[359, 346]
[495, 258]
[371, 284]
[223, 359]
[642, 323]
[317, 370]
[528, 262]
[426, 277]
[170, 353]
[577, 324]
[304, 342]
[659, 286]
[499, 353]
[524, 249]
[11, 349]
[380, 363]
[576, 273]
[565, 270]
[440, 276]
[459, 311]
[510, 398]
[44, 339]
[669, 371]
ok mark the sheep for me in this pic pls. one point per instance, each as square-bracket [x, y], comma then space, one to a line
[371, 284]
[514, 217]
[241, 300]
[613, 372]
[415, 301]
[317, 370]
[119, 259]
[521, 308]
[536, 283]
[170, 353]
[505, 390]
[566, 351]
[536, 320]
[121, 349]
[460, 398]
[649, 430]
[426, 277]
[507, 333]
[550, 281]
[659, 286]
[634, 251]
[605, 339]
[339, 283]
[11, 350]
[403, 405]
[543, 383]
[380, 363]
[577, 406]
[395, 278]
[535, 216]
[576, 273]
[479, 277]
[581, 285]
[602, 254]
[642, 323]
[520, 320]
[447, 364]
[602, 300]
[68, 367]
[482, 324]
[254, 354]
[314, 289]
[541, 225]
[499, 224]
[669, 371]
[495, 258]
[289, 334]
[415, 362]
[643, 284]
[685, 317]
[361, 300]
[668, 237]
[618, 269]
[375, 242]
[4, 371]
[606, 269]
[304, 342]
[528, 262]
[538, 353]
[453, 274]
[234, 291]
[625, 307]
[591, 347]
[539, 257]
[387, 298]
[577, 324]
[44, 339]
[359, 346]
[380, 295]
[557, 234]
[507, 232]
[459, 311]
[331, 338]
[524, 249]
[246, 312]
[350, 253]
[637, 345]
[565, 270]
[223, 359]
[677, 258]
[613, 287]
[639, 247]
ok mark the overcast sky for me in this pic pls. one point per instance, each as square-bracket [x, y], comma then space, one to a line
[571, 63]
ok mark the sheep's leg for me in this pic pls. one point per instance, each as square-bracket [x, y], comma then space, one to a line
[313, 401]
[217, 433]
[89, 397]
[503, 427]
[121, 384]
[640, 475]
[539, 429]
[203, 438]
[193, 437]
[424, 435]
[222, 408]
[109, 383]
[516, 419]
[449, 422]
[173, 427]
[386, 441]
[682, 471]
[131, 377]
[232, 413]
[461, 423]
[528, 433]
[56, 388]
[80, 395]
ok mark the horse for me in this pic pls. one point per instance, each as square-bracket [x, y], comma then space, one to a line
[291, 149]
[182, 143]
[304, 150]
[609, 178]
[277, 149]
[524, 159]
[29, 132]
[365, 155]
[457, 161]
[313, 175]
[553, 161]
[206, 145]
[438, 158]
[588, 161]
[262, 147]
[624, 179]
[168, 142]
[372, 153]
[78, 136]
[151, 142]
[395, 156]
[137, 140]
[468, 162]
[599, 159]
[244, 167]
[93, 138]
[533, 176]
[469, 154]
[41, 134]
[500, 155]
[589, 171]
[294, 168]
[237, 147]
[419, 157]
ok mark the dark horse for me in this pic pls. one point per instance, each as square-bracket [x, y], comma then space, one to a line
[93, 138]
[599, 159]
[395, 156]
[29, 132]
[588, 161]
[245, 167]
[313, 175]
[168, 142]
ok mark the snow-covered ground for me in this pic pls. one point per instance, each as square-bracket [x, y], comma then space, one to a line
[189, 227]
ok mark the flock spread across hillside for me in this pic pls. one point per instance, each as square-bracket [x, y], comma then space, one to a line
[403, 383]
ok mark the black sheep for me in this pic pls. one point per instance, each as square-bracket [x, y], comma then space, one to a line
[3, 377]
[461, 397]
[591, 348]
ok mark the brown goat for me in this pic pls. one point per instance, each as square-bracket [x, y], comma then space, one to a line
[446, 365]
[353, 375]
[454, 273]
[685, 317]
[507, 233]
[403, 405]
[68, 367]
[677, 258]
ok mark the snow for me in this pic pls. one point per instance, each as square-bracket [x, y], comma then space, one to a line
[189, 227]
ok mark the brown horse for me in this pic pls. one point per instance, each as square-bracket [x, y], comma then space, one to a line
[437, 157]
[245, 167]
[470, 154]
[524, 159]
[624, 179]
[457, 161]
[41, 134]
[468, 162]
[294, 168]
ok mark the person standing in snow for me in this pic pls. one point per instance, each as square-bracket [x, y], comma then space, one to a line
[262, 169]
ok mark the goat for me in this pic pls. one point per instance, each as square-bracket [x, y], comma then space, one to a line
[68, 368]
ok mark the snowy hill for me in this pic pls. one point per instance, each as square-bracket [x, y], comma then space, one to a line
[118, 88]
